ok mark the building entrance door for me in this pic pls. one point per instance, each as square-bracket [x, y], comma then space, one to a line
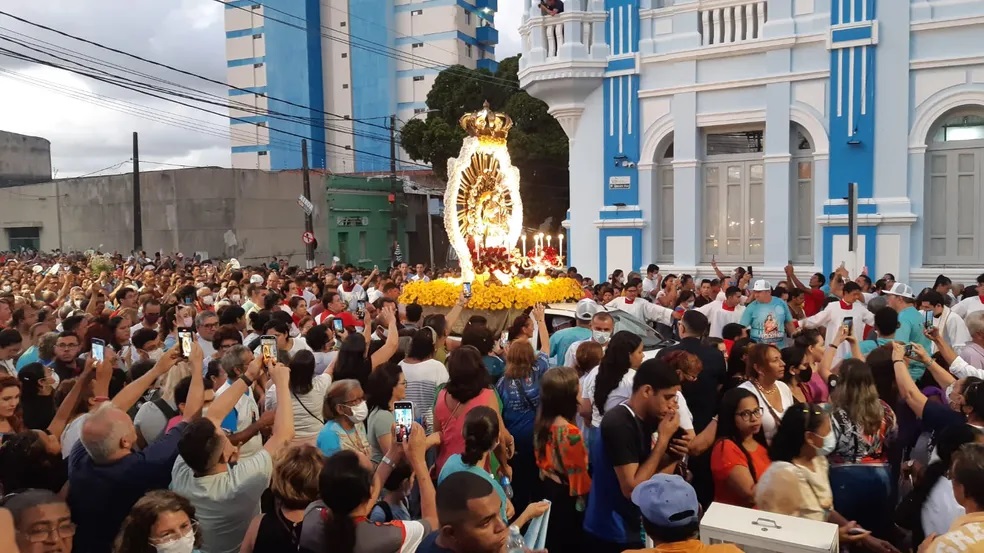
[733, 209]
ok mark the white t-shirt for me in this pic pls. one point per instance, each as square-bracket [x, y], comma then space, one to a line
[769, 423]
[138, 326]
[423, 380]
[225, 503]
[940, 509]
[247, 412]
[644, 310]
[968, 306]
[72, 434]
[323, 360]
[308, 418]
[718, 316]
[621, 393]
[298, 344]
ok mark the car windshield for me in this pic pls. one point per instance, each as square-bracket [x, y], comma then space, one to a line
[651, 339]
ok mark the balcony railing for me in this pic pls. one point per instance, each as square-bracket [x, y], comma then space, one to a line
[574, 35]
[733, 23]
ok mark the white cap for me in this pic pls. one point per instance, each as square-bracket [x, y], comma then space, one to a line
[901, 290]
[586, 309]
[762, 286]
[256, 279]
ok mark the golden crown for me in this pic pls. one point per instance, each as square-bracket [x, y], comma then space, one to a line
[486, 123]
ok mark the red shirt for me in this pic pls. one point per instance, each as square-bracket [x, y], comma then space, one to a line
[813, 301]
[348, 319]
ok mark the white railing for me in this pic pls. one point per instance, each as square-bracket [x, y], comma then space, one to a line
[574, 35]
[734, 23]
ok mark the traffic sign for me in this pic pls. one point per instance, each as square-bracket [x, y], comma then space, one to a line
[305, 204]
[308, 238]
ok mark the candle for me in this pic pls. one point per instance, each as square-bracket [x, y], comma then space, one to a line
[524, 245]
[560, 247]
[548, 240]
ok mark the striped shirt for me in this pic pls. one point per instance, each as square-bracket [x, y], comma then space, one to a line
[423, 380]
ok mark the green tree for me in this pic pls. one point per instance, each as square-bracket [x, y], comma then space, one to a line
[537, 143]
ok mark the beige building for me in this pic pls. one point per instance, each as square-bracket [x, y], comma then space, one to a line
[247, 214]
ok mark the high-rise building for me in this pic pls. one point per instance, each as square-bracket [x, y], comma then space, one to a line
[334, 71]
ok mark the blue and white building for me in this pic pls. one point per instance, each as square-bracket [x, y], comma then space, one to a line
[334, 71]
[731, 129]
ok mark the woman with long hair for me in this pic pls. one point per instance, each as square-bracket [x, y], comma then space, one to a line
[348, 490]
[864, 427]
[345, 412]
[159, 521]
[37, 395]
[175, 317]
[804, 439]
[737, 363]
[797, 374]
[466, 390]
[739, 456]
[764, 372]
[562, 457]
[307, 394]
[285, 343]
[355, 361]
[519, 390]
[293, 486]
[424, 375]
[386, 386]
[610, 383]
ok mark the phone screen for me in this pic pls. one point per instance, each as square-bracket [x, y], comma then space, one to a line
[337, 324]
[98, 349]
[467, 289]
[360, 307]
[184, 336]
[403, 413]
[908, 350]
[849, 323]
[929, 320]
[189, 300]
[268, 347]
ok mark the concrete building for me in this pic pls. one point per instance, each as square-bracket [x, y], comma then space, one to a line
[24, 159]
[316, 69]
[247, 214]
[730, 130]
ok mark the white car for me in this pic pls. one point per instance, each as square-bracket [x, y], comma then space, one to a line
[561, 315]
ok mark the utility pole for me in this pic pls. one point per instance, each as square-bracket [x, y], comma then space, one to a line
[393, 196]
[430, 229]
[137, 214]
[308, 217]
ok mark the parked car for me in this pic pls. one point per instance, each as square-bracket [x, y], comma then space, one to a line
[561, 315]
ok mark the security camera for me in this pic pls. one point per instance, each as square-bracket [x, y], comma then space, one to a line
[629, 164]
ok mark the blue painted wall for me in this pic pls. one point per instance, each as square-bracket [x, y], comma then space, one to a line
[621, 101]
[373, 86]
[293, 69]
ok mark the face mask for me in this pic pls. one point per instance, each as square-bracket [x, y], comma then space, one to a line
[151, 318]
[601, 336]
[359, 412]
[805, 374]
[208, 300]
[7, 288]
[184, 544]
[155, 355]
[829, 443]
[294, 332]
[187, 322]
[235, 298]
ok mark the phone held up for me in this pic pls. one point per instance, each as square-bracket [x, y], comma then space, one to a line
[849, 324]
[466, 288]
[337, 325]
[928, 323]
[98, 350]
[184, 341]
[268, 348]
[403, 413]
[360, 309]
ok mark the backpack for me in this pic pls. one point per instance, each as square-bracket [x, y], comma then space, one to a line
[165, 407]
[387, 510]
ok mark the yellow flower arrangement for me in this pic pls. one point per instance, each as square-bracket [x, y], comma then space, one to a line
[519, 294]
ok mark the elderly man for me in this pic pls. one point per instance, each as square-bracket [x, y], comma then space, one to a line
[243, 422]
[106, 477]
[973, 351]
[206, 323]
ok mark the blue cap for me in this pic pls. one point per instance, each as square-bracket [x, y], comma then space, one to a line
[667, 501]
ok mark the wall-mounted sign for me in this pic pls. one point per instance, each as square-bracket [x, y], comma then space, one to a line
[353, 221]
[619, 183]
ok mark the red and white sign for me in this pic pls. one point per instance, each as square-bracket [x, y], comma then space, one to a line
[308, 238]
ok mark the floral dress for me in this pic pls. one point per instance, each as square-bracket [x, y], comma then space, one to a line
[565, 458]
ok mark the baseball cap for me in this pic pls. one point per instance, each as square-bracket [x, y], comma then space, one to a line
[762, 286]
[586, 309]
[901, 290]
[667, 501]
[256, 279]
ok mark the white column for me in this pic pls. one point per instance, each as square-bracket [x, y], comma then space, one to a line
[729, 32]
[777, 175]
[760, 12]
[749, 21]
[718, 28]
[686, 182]
[706, 37]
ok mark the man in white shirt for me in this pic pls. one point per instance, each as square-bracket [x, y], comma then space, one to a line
[151, 316]
[419, 275]
[641, 309]
[722, 312]
[970, 305]
[834, 315]
[650, 284]
[602, 327]
[952, 328]
[351, 292]
[226, 494]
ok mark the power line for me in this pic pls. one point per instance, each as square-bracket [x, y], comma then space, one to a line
[115, 166]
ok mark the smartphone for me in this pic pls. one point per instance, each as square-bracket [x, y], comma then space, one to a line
[360, 309]
[189, 300]
[467, 289]
[98, 349]
[268, 348]
[908, 350]
[929, 320]
[403, 413]
[184, 339]
[749, 270]
[849, 323]
[338, 325]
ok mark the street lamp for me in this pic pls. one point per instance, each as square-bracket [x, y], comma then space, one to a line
[393, 191]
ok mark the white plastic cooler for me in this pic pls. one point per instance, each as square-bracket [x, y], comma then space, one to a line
[762, 532]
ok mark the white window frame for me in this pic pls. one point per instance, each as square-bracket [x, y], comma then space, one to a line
[802, 212]
[664, 192]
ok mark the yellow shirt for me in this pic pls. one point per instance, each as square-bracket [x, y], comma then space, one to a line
[689, 546]
[966, 535]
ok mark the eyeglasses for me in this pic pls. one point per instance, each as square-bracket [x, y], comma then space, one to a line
[172, 535]
[750, 414]
[41, 534]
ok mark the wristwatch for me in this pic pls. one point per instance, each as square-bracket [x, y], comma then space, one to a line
[387, 461]
[247, 380]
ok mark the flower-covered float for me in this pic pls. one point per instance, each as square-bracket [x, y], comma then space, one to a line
[483, 217]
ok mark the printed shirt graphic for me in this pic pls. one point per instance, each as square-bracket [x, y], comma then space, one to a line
[767, 321]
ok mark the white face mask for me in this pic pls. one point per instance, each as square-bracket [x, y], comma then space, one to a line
[235, 298]
[155, 355]
[829, 443]
[208, 300]
[359, 412]
[600, 336]
[187, 322]
[184, 544]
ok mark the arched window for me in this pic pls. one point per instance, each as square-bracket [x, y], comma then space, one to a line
[953, 197]
[663, 194]
[801, 215]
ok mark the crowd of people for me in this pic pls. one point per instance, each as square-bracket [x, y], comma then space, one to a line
[174, 405]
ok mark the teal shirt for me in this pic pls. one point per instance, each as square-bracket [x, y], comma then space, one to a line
[28, 357]
[455, 464]
[562, 340]
[911, 331]
[766, 322]
[869, 346]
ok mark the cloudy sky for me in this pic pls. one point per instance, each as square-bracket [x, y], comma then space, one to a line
[90, 123]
